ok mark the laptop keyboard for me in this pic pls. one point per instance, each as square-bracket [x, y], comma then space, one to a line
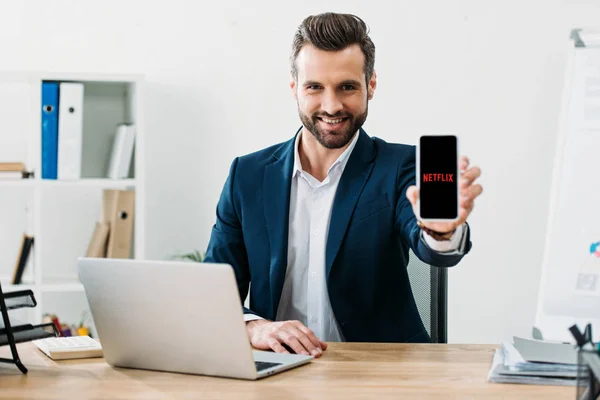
[260, 365]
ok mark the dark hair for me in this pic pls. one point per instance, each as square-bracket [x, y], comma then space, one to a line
[332, 32]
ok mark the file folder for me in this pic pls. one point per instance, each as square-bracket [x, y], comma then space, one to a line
[49, 130]
[70, 130]
[119, 212]
[97, 245]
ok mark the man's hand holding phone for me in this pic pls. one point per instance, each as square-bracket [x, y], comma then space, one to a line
[446, 190]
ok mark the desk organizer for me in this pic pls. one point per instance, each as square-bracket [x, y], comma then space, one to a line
[13, 331]
[588, 360]
[588, 380]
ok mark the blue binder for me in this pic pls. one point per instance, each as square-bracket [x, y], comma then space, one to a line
[50, 92]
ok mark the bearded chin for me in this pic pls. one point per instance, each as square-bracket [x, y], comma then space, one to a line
[333, 139]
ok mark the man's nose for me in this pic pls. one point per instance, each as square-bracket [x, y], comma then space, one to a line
[331, 104]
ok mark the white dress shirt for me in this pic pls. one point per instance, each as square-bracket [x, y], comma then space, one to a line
[304, 296]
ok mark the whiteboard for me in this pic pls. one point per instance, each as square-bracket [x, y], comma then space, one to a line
[570, 285]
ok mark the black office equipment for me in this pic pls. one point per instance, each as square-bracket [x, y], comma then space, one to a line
[588, 358]
[13, 331]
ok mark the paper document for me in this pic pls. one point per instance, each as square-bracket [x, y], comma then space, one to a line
[510, 365]
[500, 373]
[546, 352]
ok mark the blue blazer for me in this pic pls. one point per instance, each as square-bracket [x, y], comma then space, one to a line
[371, 229]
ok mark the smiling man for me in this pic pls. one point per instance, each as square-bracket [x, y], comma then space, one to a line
[322, 224]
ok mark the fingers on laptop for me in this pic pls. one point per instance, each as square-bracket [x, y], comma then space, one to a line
[306, 343]
[293, 336]
[294, 342]
[276, 346]
[318, 344]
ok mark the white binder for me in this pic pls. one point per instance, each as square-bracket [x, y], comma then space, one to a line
[70, 130]
[122, 152]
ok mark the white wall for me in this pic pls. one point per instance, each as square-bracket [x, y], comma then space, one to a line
[217, 72]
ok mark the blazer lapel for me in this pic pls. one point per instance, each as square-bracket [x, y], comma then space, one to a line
[352, 182]
[276, 200]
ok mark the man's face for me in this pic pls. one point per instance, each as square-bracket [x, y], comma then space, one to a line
[332, 94]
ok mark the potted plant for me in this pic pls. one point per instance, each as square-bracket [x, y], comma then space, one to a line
[195, 256]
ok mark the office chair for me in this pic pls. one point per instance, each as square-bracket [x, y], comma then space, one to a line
[430, 289]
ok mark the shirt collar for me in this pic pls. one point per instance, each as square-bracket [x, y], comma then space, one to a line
[341, 161]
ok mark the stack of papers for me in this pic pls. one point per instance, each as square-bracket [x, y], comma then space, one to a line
[534, 362]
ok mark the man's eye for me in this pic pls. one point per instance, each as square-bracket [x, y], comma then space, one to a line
[313, 87]
[347, 87]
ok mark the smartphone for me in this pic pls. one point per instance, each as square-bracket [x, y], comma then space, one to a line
[437, 178]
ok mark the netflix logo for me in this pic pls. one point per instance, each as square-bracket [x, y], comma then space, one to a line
[438, 177]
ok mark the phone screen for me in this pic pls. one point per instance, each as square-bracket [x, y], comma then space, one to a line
[438, 177]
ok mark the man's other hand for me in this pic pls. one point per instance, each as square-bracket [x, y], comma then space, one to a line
[268, 335]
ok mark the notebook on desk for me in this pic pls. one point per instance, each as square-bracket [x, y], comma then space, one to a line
[174, 316]
[67, 348]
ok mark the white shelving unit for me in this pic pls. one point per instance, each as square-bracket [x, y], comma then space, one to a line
[60, 215]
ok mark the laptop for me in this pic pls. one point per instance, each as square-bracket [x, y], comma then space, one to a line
[174, 316]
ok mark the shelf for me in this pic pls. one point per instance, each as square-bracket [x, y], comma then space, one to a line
[57, 286]
[91, 77]
[11, 76]
[17, 182]
[62, 214]
[89, 182]
[84, 182]
[6, 287]
[62, 287]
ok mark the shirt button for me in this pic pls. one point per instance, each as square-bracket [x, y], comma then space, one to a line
[314, 319]
[313, 274]
[316, 232]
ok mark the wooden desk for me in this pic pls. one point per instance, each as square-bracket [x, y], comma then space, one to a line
[345, 371]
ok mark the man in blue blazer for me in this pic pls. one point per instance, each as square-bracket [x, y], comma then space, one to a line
[319, 227]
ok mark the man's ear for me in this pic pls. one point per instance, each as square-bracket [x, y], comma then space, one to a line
[372, 85]
[293, 86]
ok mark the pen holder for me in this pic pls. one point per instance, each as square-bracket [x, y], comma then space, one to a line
[588, 363]
[588, 376]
